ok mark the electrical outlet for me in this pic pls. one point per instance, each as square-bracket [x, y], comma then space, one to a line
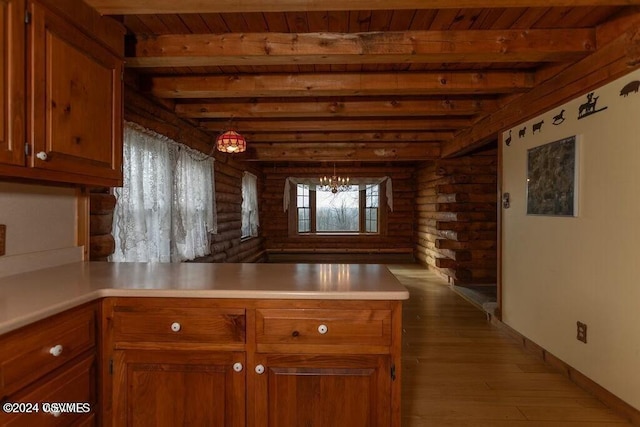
[582, 332]
[3, 238]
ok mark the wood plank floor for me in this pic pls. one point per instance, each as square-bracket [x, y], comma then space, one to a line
[459, 370]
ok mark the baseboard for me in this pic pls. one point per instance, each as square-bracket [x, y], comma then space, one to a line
[616, 404]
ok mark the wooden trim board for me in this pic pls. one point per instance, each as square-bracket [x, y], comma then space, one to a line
[616, 404]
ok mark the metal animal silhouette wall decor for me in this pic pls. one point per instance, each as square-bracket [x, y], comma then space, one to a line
[589, 107]
[508, 140]
[558, 118]
[537, 126]
[522, 132]
[632, 86]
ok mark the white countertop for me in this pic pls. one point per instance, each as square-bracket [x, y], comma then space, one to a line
[26, 298]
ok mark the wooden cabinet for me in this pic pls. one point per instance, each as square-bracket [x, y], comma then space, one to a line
[276, 363]
[53, 360]
[323, 390]
[326, 363]
[72, 98]
[176, 362]
[12, 82]
[164, 388]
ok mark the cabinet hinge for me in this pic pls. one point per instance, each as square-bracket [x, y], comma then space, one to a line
[27, 17]
[393, 372]
[110, 366]
[27, 151]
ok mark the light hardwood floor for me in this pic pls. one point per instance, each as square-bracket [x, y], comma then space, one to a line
[459, 370]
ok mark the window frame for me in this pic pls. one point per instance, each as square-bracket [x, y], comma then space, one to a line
[382, 214]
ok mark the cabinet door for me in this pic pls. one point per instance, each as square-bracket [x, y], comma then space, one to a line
[322, 391]
[12, 82]
[75, 105]
[172, 388]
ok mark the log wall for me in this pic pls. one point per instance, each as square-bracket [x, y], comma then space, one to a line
[396, 245]
[456, 217]
[101, 206]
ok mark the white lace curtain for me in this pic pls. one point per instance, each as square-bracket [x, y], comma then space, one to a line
[250, 220]
[165, 210]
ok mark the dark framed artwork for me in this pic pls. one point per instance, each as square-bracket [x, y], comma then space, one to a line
[552, 178]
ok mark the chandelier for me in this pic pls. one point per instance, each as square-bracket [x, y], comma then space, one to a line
[231, 142]
[334, 183]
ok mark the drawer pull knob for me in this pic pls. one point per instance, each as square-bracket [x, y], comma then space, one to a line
[56, 413]
[260, 369]
[295, 333]
[238, 367]
[175, 327]
[42, 155]
[56, 350]
[322, 329]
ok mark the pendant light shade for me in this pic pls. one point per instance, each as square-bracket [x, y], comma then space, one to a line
[231, 142]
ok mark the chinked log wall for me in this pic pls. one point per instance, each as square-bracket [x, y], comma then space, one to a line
[457, 218]
[396, 245]
[226, 245]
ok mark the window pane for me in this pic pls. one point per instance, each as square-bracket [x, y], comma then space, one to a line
[338, 212]
[372, 196]
[371, 220]
[304, 225]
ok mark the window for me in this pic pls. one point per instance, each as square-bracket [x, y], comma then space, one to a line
[304, 209]
[372, 201]
[250, 220]
[165, 210]
[339, 212]
[353, 211]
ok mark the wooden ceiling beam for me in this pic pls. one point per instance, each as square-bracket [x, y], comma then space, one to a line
[341, 84]
[607, 64]
[319, 125]
[340, 152]
[252, 49]
[313, 108]
[129, 7]
[353, 136]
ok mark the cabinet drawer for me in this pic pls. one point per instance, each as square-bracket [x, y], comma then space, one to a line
[73, 384]
[35, 350]
[178, 324]
[323, 326]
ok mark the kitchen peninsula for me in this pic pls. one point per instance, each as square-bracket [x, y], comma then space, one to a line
[205, 344]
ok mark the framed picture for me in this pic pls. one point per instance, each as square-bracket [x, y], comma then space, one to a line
[552, 178]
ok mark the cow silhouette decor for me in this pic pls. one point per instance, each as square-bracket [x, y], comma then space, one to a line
[589, 107]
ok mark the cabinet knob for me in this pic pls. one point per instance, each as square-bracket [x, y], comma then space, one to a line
[260, 369]
[175, 327]
[238, 367]
[55, 413]
[322, 329]
[42, 155]
[56, 350]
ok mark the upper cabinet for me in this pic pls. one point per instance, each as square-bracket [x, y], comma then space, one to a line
[12, 82]
[73, 66]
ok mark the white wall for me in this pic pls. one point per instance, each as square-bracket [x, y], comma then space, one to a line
[41, 227]
[559, 270]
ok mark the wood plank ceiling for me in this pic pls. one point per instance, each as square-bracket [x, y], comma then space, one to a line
[351, 79]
